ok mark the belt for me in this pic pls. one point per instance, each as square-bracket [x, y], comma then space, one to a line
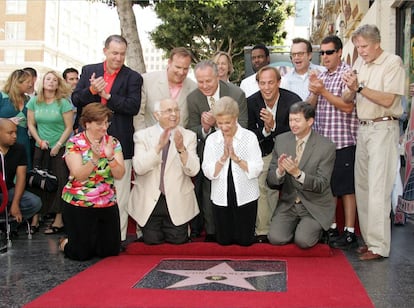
[381, 119]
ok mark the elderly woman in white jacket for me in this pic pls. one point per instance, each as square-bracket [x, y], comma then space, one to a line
[233, 162]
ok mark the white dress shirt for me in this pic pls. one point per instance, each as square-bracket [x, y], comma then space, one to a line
[299, 84]
[249, 85]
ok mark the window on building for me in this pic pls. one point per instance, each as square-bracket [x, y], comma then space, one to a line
[16, 7]
[15, 30]
[13, 56]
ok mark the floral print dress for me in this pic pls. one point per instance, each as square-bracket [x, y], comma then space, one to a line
[98, 190]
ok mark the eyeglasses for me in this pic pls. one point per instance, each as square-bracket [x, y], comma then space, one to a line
[328, 52]
[298, 54]
[170, 110]
[102, 124]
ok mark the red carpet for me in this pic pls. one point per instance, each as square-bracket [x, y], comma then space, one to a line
[319, 277]
[213, 249]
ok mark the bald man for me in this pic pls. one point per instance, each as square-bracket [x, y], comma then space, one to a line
[21, 204]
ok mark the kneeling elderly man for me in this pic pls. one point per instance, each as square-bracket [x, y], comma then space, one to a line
[162, 200]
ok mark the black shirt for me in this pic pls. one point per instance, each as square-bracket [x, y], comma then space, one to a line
[16, 156]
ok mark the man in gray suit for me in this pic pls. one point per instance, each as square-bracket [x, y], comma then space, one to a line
[171, 83]
[202, 122]
[303, 162]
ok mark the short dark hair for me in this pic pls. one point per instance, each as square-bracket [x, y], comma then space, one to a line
[298, 40]
[115, 38]
[263, 47]
[333, 39]
[69, 70]
[31, 71]
[303, 107]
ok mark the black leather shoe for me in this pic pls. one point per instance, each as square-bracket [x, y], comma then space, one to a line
[210, 238]
[261, 239]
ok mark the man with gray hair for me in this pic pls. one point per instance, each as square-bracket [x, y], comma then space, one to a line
[202, 122]
[377, 81]
[164, 161]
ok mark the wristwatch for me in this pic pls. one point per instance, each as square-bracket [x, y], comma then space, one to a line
[360, 87]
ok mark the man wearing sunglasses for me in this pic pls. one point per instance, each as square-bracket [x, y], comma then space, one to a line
[336, 119]
[297, 80]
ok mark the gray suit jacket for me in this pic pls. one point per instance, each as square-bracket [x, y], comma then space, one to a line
[156, 88]
[197, 104]
[317, 163]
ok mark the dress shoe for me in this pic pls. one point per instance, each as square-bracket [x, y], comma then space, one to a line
[369, 255]
[261, 239]
[362, 249]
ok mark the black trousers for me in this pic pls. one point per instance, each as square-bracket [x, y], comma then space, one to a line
[235, 224]
[51, 201]
[160, 228]
[92, 232]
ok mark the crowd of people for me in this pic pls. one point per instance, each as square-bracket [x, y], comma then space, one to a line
[265, 162]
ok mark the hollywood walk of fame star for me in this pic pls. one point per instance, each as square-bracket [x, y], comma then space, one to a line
[220, 273]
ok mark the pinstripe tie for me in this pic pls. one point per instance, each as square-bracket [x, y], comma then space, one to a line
[299, 149]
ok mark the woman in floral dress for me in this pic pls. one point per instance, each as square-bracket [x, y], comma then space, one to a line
[90, 211]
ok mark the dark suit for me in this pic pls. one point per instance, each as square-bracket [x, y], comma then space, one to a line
[317, 202]
[255, 103]
[268, 195]
[125, 102]
[197, 104]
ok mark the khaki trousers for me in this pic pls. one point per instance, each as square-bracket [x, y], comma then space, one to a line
[375, 169]
[267, 201]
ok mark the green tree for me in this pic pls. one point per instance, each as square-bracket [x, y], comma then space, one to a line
[205, 27]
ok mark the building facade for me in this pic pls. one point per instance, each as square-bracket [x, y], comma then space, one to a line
[56, 34]
[394, 18]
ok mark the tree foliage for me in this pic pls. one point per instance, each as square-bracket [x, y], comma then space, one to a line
[205, 26]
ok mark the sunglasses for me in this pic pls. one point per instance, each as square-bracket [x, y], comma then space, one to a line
[328, 52]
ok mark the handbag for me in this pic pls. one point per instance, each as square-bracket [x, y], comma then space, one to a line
[41, 178]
